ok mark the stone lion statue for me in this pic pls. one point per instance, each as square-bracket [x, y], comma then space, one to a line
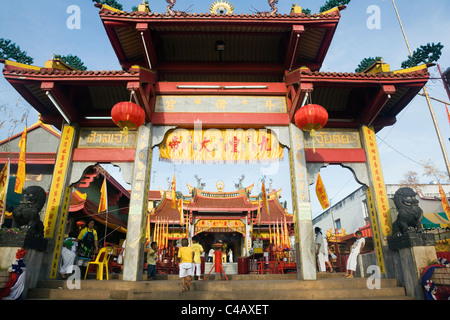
[409, 213]
[26, 214]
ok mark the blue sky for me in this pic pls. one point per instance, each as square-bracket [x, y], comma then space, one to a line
[39, 27]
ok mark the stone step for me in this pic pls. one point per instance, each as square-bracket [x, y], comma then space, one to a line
[228, 268]
[247, 289]
[232, 285]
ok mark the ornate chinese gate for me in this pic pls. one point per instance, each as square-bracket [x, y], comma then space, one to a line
[234, 73]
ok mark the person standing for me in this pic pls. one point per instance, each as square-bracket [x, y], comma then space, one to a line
[230, 255]
[67, 258]
[210, 255]
[87, 246]
[327, 255]
[320, 249]
[152, 256]
[198, 250]
[88, 242]
[353, 257]
[186, 259]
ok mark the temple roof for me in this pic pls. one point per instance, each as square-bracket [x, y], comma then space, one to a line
[222, 205]
[281, 54]
[82, 204]
[9, 147]
[258, 47]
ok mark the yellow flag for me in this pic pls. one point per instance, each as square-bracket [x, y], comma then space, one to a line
[180, 210]
[4, 179]
[264, 195]
[444, 201]
[174, 201]
[20, 177]
[321, 193]
[103, 203]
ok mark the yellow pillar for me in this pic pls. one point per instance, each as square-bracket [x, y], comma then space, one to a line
[376, 194]
[58, 200]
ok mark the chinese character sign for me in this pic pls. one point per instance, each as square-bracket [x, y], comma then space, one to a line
[379, 189]
[220, 146]
[59, 176]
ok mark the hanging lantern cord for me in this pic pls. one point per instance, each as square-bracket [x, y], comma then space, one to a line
[125, 129]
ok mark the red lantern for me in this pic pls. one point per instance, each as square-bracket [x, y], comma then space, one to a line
[311, 117]
[128, 116]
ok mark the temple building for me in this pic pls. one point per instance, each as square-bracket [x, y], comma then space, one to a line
[217, 87]
[235, 218]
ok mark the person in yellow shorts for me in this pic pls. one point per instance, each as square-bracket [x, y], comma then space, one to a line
[198, 249]
[186, 260]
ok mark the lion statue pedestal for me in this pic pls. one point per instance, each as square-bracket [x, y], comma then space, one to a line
[30, 237]
[415, 247]
[407, 228]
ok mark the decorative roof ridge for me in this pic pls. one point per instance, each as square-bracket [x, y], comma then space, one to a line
[417, 73]
[51, 71]
[302, 16]
[222, 194]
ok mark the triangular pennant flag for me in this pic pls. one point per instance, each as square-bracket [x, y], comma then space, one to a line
[4, 179]
[321, 193]
[264, 198]
[180, 209]
[444, 201]
[20, 177]
[173, 191]
[103, 203]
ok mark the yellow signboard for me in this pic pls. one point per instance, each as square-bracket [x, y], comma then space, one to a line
[59, 176]
[60, 233]
[220, 146]
[220, 226]
[375, 231]
[379, 188]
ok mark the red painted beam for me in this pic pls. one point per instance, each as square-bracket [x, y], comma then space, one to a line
[230, 120]
[299, 97]
[31, 157]
[220, 67]
[147, 45]
[377, 104]
[63, 102]
[335, 155]
[272, 88]
[142, 99]
[293, 46]
[103, 155]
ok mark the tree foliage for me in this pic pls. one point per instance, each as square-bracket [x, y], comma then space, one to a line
[111, 3]
[424, 54]
[365, 63]
[430, 170]
[411, 180]
[11, 51]
[73, 61]
[330, 4]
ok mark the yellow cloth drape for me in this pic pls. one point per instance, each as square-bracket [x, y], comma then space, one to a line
[220, 146]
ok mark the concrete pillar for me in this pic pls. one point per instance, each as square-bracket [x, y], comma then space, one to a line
[416, 251]
[134, 249]
[304, 234]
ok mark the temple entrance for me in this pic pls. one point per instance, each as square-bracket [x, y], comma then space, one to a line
[231, 240]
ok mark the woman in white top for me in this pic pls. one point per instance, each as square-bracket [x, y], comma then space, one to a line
[356, 250]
